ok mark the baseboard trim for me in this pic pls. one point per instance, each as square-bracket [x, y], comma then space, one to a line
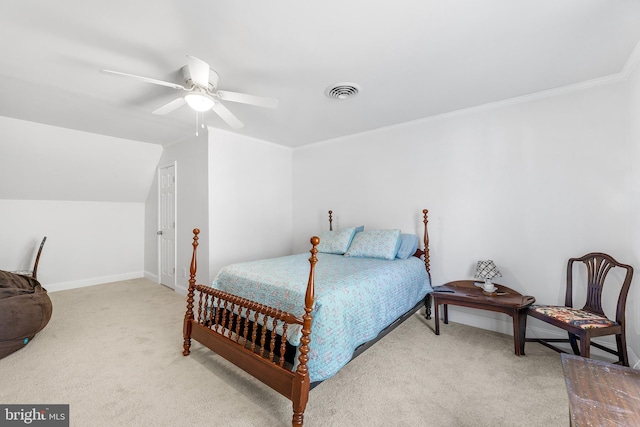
[153, 277]
[179, 289]
[182, 290]
[63, 286]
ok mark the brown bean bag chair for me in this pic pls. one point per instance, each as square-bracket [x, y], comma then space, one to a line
[25, 309]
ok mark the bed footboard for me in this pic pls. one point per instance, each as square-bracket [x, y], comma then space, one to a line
[253, 336]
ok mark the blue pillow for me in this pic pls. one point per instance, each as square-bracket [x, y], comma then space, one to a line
[336, 242]
[381, 244]
[408, 246]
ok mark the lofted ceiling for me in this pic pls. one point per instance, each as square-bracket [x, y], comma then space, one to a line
[412, 59]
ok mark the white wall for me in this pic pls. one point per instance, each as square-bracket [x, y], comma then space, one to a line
[87, 242]
[85, 192]
[526, 184]
[42, 162]
[250, 199]
[237, 191]
[190, 156]
[633, 311]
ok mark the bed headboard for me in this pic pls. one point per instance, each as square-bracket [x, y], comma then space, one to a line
[425, 240]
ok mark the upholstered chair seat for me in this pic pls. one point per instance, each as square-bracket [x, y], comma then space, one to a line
[574, 316]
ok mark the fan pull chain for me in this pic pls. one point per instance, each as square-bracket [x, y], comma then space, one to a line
[199, 121]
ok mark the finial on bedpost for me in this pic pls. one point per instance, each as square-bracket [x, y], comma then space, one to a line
[330, 220]
[300, 403]
[188, 316]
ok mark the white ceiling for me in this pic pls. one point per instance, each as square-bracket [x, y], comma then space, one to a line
[412, 58]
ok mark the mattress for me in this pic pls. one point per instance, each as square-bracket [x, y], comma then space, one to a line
[355, 298]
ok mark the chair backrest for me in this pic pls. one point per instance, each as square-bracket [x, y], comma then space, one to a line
[34, 273]
[598, 266]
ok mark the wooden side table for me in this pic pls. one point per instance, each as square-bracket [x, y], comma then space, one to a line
[505, 300]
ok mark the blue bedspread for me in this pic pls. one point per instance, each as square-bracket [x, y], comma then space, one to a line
[355, 298]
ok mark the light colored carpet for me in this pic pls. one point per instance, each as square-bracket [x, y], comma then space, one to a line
[114, 353]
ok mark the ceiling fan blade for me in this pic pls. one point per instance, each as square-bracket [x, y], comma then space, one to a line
[145, 79]
[199, 71]
[248, 99]
[227, 116]
[173, 105]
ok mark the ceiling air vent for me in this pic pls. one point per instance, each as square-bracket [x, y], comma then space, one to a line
[342, 90]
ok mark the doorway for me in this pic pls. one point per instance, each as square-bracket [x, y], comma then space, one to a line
[167, 225]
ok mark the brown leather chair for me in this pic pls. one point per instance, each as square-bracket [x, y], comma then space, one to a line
[590, 321]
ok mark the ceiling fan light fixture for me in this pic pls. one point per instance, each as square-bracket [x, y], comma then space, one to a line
[199, 101]
[200, 84]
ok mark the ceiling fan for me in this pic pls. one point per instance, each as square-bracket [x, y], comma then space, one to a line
[202, 94]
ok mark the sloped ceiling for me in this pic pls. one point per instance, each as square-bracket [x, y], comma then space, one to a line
[42, 162]
[413, 59]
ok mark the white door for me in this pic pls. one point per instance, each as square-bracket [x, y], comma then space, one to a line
[167, 221]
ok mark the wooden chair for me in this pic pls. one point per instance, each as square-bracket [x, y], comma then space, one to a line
[590, 321]
[33, 273]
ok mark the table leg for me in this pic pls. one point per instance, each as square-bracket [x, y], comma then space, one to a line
[519, 330]
[446, 313]
[427, 306]
[437, 315]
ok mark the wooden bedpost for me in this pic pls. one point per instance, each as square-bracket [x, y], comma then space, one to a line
[330, 220]
[427, 299]
[426, 242]
[188, 317]
[301, 386]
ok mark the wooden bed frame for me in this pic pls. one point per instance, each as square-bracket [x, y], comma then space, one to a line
[235, 330]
